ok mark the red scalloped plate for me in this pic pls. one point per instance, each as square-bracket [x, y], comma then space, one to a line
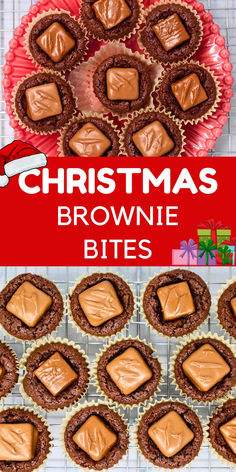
[200, 138]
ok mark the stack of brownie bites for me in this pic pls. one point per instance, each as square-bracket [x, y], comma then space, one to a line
[116, 100]
[56, 373]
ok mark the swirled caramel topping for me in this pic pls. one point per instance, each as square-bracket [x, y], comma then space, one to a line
[56, 374]
[100, 303]
[43, 101]
[170, 434]
[89, 141]
[29, 304]
[176, 301]
[56, 42]
[153, 140]
[122, 83]
[17, 442]
[129, 371]
[111, 12]
[171, 32]
[205, 367]
[189, 92]
[233, 305]
[95, 438]
[228, 431]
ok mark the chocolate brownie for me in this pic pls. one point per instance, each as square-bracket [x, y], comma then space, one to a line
[72, 27]
[182, 51]
[102, 125]
[9, 367]
[169, 101]
[222, 415]
[20, 415]
[119, 31]
[49, 320]
[113, 325]
[114, 423]
[149, 448]
[39, 393]
[186, 324]
[51, 123]
[108, 385]
[218, 390]
[225, 312]
[144, 119]
[121, 61]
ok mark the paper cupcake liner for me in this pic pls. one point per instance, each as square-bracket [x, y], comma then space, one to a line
[171, 2]
[134, 439]
[25, 408]
[81, 117]
[3, 397]
[220, 292]
[152, 397]
[82, 76]
[43, 342]
[211, 110]
[43, 15]
[196, 337]
[15, 90]
[72, 413]
[149, 110]
[78, 328]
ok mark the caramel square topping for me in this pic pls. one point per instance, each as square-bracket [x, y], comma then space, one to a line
[122, 83]
[56, 42]
[176, 301]
[189, 92]
[170, 434]
[228, 431]
[233, 305]
[29, 304]
[18, 441]
[2, 371]
[171, 32]
[56, 374]
[43, 101]
[129, 371]
[100, 303]
[89, 141]
[95, 438]
[205, 367]
[111, 12]
[153, 140]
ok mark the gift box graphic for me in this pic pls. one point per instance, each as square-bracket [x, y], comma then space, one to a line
[232, 247]
[207, 253]
[214, 231]
[222, 235]
[186, 255]
[224, 256]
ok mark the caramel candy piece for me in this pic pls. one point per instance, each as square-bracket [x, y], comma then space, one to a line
[89, 141]
[56, 42]
[170, 434]
[18, 441]
[233, 305]
[171, 32]
[153, 140]
[95, 438]
[29, 304]
[56, 374]
[228, 431]
[43, 101]
[205, 367]
[176, 301]
[100, 303]
[111, 12]
[129, 371]
[189, 92]
[2, 371]
[122, 83]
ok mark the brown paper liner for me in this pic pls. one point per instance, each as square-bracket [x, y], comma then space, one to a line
[151, 398]
[170, 2]
[209, 112]
[16, 116]
[17, 370]
[150, 110]
[70, 415]
[83, 76]
[81, 117]
[43, 15]
[43, 342]
[195, 337]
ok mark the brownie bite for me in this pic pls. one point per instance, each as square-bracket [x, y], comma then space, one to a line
[222, 429]
[8, 369]
[57, 42]
[172, 32]
[227, 309]
[110, 19]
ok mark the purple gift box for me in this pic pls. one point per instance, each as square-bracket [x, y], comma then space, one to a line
[202, 260]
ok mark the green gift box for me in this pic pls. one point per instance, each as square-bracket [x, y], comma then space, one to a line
[222, 235]
[204, 235]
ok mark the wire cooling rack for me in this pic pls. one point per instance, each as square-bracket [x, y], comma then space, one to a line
[224, 13]
[65, 278]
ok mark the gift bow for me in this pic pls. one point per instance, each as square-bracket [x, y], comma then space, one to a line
[207, 249]
[224, 253]
[211, 224]
[232, 242]
[188, 248]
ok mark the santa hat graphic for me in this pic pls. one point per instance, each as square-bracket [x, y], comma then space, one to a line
[19, 157]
